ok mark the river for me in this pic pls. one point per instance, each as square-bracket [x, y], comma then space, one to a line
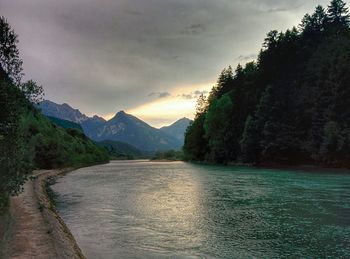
[140, 209]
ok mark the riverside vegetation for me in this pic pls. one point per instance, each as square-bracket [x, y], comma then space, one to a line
[290, 106]
[28, 140]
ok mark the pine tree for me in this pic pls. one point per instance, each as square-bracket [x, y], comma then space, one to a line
[201, 106]
[224, 83]
[319, 19]
[271, 40]
[195, 146]
[250, 146]
[338, 13]
[217, 129]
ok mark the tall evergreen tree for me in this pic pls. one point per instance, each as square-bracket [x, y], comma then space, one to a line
[316, 23]
[250, 142]
[217, 129]
[338, 13]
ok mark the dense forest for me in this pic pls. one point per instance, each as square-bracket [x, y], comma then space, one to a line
[121, 150]
[28, 140]
[291, 106]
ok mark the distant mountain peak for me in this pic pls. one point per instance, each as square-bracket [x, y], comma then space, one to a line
[96, 117]
[121, 113]
[62, 111]
[122, 127]
[66, 105]
[184, 119]
[177, 129]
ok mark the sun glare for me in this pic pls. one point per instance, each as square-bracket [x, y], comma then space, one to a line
[164, 111]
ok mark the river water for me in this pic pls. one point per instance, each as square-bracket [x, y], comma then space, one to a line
[139, 209]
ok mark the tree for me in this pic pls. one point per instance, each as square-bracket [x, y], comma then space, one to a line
[292, 104]
[217, 129]
[201, 105]
[32, 91]
[319, 19]
[238, 71]
[316, 23]
[9, 54]
[338, 13]
[250, 146]
[271, 40]
[14, 164]
[196, 145]
[223, 85]
[335, 144]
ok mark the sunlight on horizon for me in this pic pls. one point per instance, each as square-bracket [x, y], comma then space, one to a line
[165, 111]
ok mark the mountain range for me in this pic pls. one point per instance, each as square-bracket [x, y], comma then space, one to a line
[122, 127]
[177, 129]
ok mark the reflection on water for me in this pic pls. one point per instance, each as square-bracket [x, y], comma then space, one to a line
[154, 210]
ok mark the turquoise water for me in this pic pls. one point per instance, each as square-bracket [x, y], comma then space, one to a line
[178, 210]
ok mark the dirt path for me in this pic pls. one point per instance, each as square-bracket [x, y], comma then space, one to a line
[35, 230]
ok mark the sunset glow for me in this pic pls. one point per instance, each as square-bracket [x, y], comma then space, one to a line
[164, 111]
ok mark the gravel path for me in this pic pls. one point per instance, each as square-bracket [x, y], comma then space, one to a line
[35, 229]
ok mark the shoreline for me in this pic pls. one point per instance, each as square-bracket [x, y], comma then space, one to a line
[301, 167]
[34, 228]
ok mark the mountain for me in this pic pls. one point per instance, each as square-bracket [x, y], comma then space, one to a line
[129, 129]
[62, 111]
[122, 127]
[177, 129]
[67, 113]
[91, 124]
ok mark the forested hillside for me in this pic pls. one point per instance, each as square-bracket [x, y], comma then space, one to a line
[64, 123]
[28, 140]
[121, 150]
[290, 106]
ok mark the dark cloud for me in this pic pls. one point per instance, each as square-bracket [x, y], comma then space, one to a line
[160, 94]
[245, 58]
[193, 95]
[186, 96]
[108, 55]
[200, 92]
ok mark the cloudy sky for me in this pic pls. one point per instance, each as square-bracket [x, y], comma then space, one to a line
[151, 58]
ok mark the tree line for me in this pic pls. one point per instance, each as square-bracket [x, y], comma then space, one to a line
[290, 106]
[28, 140]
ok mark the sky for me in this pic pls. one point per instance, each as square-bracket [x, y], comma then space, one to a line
[150, 58]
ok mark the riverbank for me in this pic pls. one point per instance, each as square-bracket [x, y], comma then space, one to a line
[285, 167]
[32, 228]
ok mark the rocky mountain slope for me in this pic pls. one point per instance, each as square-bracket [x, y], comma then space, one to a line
[122, 127]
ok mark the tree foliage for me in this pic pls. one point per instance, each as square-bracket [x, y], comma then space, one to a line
[27, 139]
[291, 106]
[9, 53]
[338, 13]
